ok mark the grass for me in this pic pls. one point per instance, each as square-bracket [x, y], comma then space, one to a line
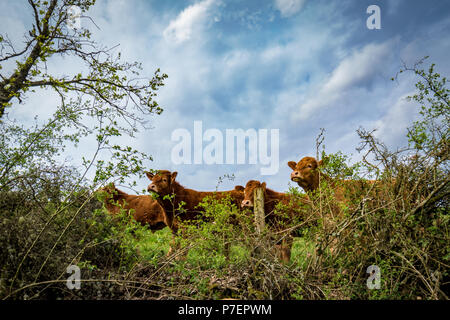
[152, 245]
[301, 250]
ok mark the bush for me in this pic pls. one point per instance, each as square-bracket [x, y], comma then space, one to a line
[41, 238]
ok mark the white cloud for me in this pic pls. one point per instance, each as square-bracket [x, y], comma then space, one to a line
[392, 127]
[288, 8]
[181, 29]
[360, 66]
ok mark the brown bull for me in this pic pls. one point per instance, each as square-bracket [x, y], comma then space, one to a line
[351, 194]
[145, 210]
[164, 184]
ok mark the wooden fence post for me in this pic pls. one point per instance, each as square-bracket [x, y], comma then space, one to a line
[258, 211]
[258, 208]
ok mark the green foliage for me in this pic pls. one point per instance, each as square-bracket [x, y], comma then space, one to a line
[212, 236]
[108, 86]
[431, 132]
[336, 166]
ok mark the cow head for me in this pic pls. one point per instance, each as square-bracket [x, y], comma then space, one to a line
[162, 182]
[249, 190]
[306, 172]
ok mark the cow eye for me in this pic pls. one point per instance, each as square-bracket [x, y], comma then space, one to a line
[309, 166]
[165, 180]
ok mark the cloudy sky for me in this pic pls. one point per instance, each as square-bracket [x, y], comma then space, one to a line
[292, 65]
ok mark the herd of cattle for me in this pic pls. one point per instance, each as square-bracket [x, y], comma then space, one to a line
[163, 211]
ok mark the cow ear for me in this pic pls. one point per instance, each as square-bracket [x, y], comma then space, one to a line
[320, 163]
[292, 165]
[239, 188]
[149, 175]
[263, 185]
[173, 176]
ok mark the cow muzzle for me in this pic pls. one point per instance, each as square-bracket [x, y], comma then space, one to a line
[296, 176]
[152, 188]
[246, 203]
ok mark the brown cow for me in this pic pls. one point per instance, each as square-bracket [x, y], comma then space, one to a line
[164, 184]
[144, 209]
[307, 174]
[351, 193]
[277, 221]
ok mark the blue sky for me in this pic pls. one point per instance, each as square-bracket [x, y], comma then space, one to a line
[292, 65]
